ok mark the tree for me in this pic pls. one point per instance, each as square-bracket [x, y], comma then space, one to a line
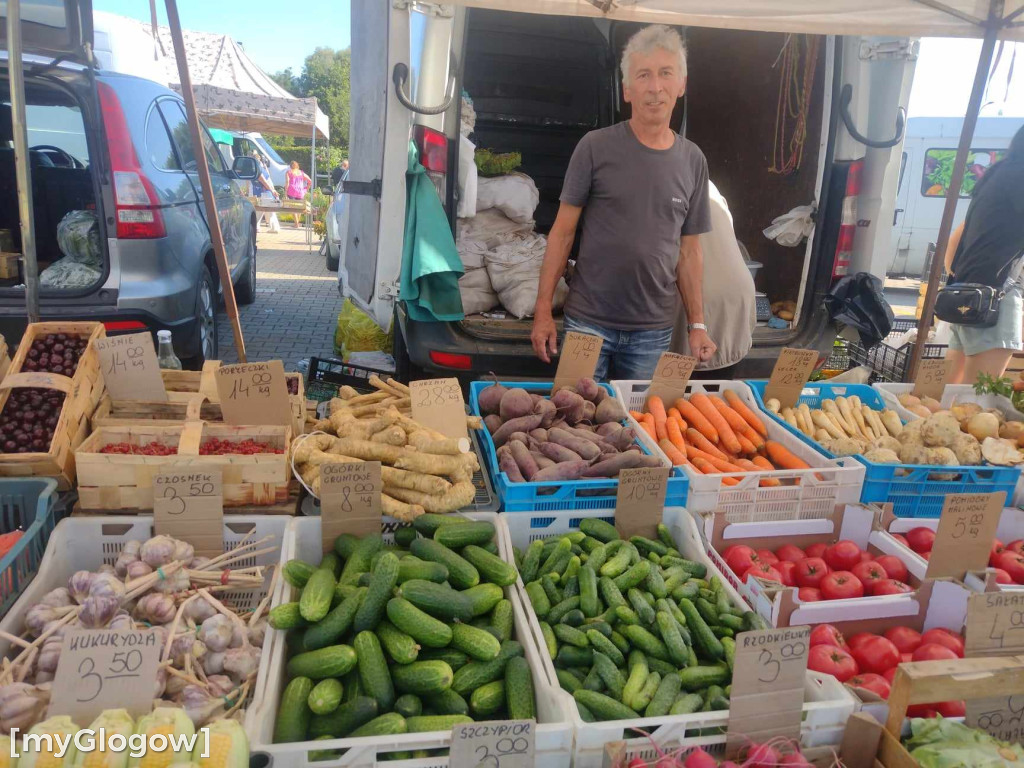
[325, 75]
[287, 80]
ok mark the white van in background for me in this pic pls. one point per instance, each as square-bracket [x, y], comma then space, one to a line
[246, 142]
[925, 170]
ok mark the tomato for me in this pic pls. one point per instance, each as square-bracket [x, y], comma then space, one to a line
[832, 660]
[894, 567]
[900, 538]
[891, 587]
[787, 569]
[1013, 564]
[810, 571]
[740, 558]
[951, 708]
[876, 655]
[926, 555]
[860, 637]
[827, 634]
[904, 638]
[808, 595]
[790, 552]
[906, 658]
[997, 549]
[869, 681]
[890, 674]
[1002, 577]
[816, 550]
[870, 573]
[1017, 545]
[842, 555]
[767, 556]
[933, 652]
[762, 571]
[841, 585]
[921, 710]
[921, 539]
[951, 640]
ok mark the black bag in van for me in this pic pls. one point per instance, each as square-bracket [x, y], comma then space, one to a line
[857, 301]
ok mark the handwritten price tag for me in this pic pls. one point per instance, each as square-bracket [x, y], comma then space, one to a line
[671, 376]
[931, 378]
[768, 686]
[496, 744]
[995, 624]
[999, 716]
[189, 505]
[578, 360]
[964, 536]
[130, 368]
[791, 372]
[639, 501]
[438, 404]
[254, 393]
[105, 669]
[350, 500]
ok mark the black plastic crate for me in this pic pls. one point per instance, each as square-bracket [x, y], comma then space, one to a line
[889, 363]
[327, 374]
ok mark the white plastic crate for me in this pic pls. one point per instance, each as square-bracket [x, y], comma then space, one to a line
[86, 543]
[554, 733]
[827, 704]
[953, 393]
[801, 494]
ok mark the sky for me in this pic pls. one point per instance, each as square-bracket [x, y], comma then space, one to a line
[273, 36]
[945, 73]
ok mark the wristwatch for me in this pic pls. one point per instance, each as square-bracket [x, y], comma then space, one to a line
[696, 327]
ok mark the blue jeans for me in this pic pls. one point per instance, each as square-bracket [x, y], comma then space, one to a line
[624, 354]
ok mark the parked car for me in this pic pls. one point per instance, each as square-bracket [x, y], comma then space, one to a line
[335, 223]
[119, 146]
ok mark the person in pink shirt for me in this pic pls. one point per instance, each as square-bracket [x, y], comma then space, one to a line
[296, 184]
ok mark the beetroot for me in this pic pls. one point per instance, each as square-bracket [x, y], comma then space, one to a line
[515, 403]
[566, 470]
[589, 409]
[610, 410]
[579, 445]
[558, 453]
[588, 389]
[522, 424]
[523, 459]
[609, 428]
[547, 410]
[569, 405]
[490, 397]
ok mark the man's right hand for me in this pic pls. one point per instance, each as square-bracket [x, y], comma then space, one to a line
[544, 337]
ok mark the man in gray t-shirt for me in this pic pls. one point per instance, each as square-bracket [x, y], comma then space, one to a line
[642, 192]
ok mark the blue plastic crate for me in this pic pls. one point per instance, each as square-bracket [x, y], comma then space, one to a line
[564, 494]
[29, 505]
[914, 490]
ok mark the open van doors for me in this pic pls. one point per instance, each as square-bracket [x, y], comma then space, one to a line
[53, 28]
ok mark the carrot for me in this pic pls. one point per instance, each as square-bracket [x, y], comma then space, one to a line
[675, 435]
[674, 455]
[737, 404]
[747, 448]
[656, 407]
[783, 458]
[725, 466]
[726, 437]
[739, 426]
[637, 415]
[766, 482]
[708, 468]
[698, 440]
[762, 463]
[647, 422]
[697, 420]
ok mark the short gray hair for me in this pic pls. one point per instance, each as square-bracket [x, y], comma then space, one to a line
[649, 38]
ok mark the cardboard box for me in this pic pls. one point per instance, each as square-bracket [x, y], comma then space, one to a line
[9, 265]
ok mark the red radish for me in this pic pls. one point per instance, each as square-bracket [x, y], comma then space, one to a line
[698, 758]
[762, 756]
[729, 764]
[816, 550]
[636, 762]
[795, 760]
[921, 539]
[894, 567]
[790, 552]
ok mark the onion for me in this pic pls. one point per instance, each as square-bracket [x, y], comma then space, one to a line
[982, 425]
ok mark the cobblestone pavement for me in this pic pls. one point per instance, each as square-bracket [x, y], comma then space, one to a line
[296, 307]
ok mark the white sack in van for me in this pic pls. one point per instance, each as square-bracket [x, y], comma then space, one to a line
[514, 269]
[515, 194]
[477, 293]
[467, 178]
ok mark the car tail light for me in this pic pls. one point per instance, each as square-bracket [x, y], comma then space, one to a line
[433, 148]
[137, 207]
[124, 325]
[450, 360]
[848, 222]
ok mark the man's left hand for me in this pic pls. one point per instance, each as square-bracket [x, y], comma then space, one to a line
[701, 345]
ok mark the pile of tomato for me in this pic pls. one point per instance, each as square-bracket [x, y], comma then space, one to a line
[821, 571]
[1006, 559]
[149, 449]
[216, 447]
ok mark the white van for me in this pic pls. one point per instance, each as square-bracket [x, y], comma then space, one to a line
[540, 82]
[925, 170]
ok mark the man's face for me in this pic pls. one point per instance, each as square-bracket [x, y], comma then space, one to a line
[654, 84]
[344, 164]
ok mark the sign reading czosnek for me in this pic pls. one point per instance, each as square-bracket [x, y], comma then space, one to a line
[188, 504]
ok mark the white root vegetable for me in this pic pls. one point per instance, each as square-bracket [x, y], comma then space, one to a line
[891, 422]
[804, 412]
[831, 410]
[790, 417]
[310, 443]
[773, 404]
[414, 481]
[393, 435]
[449, 446]
[399, 510]
[822, 421]
[822, 436]
[460, 495]
[435, 464]
[869, 422]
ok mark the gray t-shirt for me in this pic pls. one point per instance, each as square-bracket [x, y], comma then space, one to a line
[637, 203]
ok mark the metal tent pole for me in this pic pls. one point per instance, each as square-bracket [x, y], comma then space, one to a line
[153, 26]
[203, 169]
[22, 167]
[312, 176]
[992, 28]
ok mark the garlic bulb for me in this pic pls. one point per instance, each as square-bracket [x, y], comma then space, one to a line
[198, 563]
[198, 704]
[184, 645]
[57, 628]
[137, 569]
[157, 551]
[257, 632]
[38, 616]
[176, 582]
[216, 632]
[106, 585]
[129, 555]
[213, 663]
[174, 686]
[160, 683]
[106, 568]
[58, 598]
[241, 662]
[220, 685]
[97, 612]
[78, 585]
[239, 634]
[199, 611]
[21, 705]
[49, 655]
[155, 608]
[183, 551]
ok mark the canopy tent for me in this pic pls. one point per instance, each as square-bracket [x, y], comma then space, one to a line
[242, 111]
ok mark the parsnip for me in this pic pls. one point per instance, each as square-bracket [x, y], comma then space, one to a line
[801, 421]
[790, 417]
[822, 436]
[393, 435]
[449, 446]
[458, 496]
[869, 422]
[301, 453]
[773, 404]
[836, 421]
[414, 481]
[432, 464]
[370, 451]
[399, 510]
[891, 422]
[852, 428]
[822, 421]
[862, 428]
[830, 409]
[806, 412]
[876, 423]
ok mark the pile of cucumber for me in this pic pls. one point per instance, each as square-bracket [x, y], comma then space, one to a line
[634, 629]
[411, 637]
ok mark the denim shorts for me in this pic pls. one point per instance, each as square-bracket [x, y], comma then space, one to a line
[1005, 334]
[624, 354]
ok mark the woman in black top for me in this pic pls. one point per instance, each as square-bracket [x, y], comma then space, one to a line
[986, 249]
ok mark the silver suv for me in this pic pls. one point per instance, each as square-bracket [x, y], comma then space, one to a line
[119, 146]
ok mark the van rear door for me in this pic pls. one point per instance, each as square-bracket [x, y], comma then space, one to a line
[53, 28]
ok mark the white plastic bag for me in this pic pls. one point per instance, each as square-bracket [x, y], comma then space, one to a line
[467, 178]
[791, 228]
[515, 194]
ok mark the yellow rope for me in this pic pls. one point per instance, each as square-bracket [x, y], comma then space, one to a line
[795, 85]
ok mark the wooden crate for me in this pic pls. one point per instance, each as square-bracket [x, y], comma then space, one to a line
[5, 358]
[9, 265]
[124, 482]
[83, 391]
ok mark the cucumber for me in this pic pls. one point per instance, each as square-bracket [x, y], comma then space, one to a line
[332, 661]
[620, 642]
[638, 672]
[698, 570]
[664, 697]
[531, 561]
[550, 639]
[405, 535]
[426, 723]
[640, 605]
[331, 561]
[646, 546]
[598, 529]
[325, 696]
[643, 699]
[661, 667]
[286, 616]
[686, 704]
[478, 673]
[438, 600]
[453, 658]
[408, 705]
[448, 702]
[573, 656]
[384, 725]
[729, 644]
[400, 647]
[604, 707]
[293, 714]
[571, 635]
[698, 678]
[461, 574]
[589, 603]
[477, 643]
[598, 556]
[487, 699]
[704, 640]
[345, 545]
[610, 593]
[350, 682]
[669, 631]
[425, 629]
[382, 582]
[551, 589]
[754, 621]
[559, 557]
[427, 524]
[459, 535]
[358, 562]
[345, 719]
[665, 535]
[643, 640]
[573, 618]
[656, 584]
[502, 619]
[566, 680]
[593, 681]
[602, 644]
[557, 612]
[482, 598]
[707, 611]
[424, 678]
[335, 624]
[315, 601]
[413, 568]
[610, 674]
[297, 572]
[538, 599]
[634, 576]
[490, 567]
[617, 563]
[373, 670]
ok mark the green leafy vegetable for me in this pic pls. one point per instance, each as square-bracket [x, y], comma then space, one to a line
[940, 743]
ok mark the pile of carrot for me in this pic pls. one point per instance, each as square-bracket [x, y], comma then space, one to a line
[715, 435]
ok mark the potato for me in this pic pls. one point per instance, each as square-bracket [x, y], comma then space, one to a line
[962, 411]
[887, 443]
[967, 450]
[913, 453]
[911, 433]
[1012, 430]
[907, 400]
[882, 456]
[942, 456]
[982, 425]
[939, 431]
[931, 404]
[999, 451]
[846, 446]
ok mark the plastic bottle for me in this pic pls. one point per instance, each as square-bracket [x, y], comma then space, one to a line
[165, 354]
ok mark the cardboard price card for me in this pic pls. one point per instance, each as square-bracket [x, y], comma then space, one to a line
[768, 686]
[963, 539]
[349, 500]
[999, 716]
[105, 669]
[254, 393]
[495, 744]
[130, 368]
[995, 624]
[790, 375]
[578, 360]
[671, 376]
[931, 378]
[438, 404]
[639, 501]
[189, 505]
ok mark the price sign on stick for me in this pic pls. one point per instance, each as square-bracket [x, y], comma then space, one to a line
[578, 360]
[188, 505]
[349, 500]
[790, 375]
[999, 716]
[254, 393]
[438, 404]
[639, 501]
[495, 744]
[995, 624]
[671, 375]
[964, 536]
[105, 669]
[931, 378]
[130, 368]
[767, 686]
